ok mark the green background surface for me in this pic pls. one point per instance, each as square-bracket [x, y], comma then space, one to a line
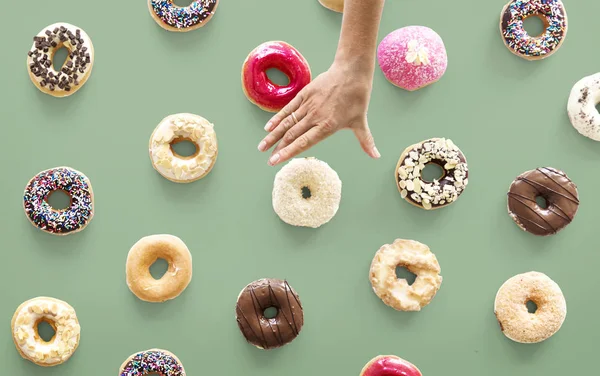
[506, 114]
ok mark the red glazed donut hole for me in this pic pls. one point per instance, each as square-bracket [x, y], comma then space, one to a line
[259, 89]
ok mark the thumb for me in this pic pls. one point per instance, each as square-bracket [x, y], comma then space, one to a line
[366, 141]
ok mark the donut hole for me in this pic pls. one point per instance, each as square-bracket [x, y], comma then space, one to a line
[184, 148]
[270, 312]
[403, 273]
[277, 77]
[598, 107]
[535, 25]
[159, 268]
[59, 57]
[306, 194]
[45, 330]
[531, 306]
[432, 171]
[59, 200]
[541, 202]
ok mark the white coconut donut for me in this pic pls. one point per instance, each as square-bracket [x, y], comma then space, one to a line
[581, 107]
[306, 192]
[510, 307]
[183, 127]
[60, 315]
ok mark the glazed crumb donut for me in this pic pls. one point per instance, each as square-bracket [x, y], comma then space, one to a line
[510, 307]
[389, 365]
[432, 194]
[334, 5]
[177, 128]
[268, 333]
[559, 192]
[553, 15]
[306, 192]
[59, 222]
[76, 68]
[416, 258]
[581, 107]
[144, 253]
[60, 316]
[172, 17]
[153, 361]
[259, 89]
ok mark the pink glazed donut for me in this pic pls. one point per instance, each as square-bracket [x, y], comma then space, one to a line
[389, 365]
[412, 57]
[263, 92]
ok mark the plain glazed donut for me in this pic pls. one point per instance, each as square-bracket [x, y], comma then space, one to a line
[172, 17]
[177, 128]
[389, 365]
[334, 5]
[416, 258]
[432, 194]
[153, 361]
[299, 177]
[581, 107]
[269, 333]
[76, 68]
[59, 222]
[510, 308]
[278, 55]
[144, 253]
[60, 316]
[553, 15]
[559, 192]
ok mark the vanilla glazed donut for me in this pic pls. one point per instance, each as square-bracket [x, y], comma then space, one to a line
[177, 128]
[59, 222]
[144, 253]
[396, 292]
[334, 5]
[60, 316]
[172, 17]
[299, 177]
[581, 107]
[437, 193]
[553, 15]
[153, 361]
[76, 68]
[257, 86]
[389, 365]
[514, 318]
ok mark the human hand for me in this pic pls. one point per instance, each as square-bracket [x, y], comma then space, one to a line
[336, 99]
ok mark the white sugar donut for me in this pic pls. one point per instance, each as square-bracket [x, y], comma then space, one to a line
[183, 127]
[60, 315]
[581, 107]
[291, 184]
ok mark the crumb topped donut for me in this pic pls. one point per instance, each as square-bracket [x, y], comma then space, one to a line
[76, 68]
[60, 316]
[306, 192]
[416, 258]
[144, 253]
[439, 192]
[172, 17]
[510, 307]
[152, 362]
[389, 365]
[581, 107]
[183, 127]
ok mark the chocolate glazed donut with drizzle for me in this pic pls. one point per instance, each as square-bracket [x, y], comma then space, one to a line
[269, 333]
[560, 193]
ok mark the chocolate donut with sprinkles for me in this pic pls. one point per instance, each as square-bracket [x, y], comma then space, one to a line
[152, 362]
[59, 222]
[553, 15]
[181, 19]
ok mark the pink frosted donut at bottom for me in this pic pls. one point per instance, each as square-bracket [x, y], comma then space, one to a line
[412, 57]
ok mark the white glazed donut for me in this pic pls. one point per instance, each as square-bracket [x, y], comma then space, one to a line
[581, 107]
[60, 315]
[183, 127]
[291, 185]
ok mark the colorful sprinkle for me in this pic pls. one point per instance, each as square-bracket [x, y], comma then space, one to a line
[183, 17]
[153, 361]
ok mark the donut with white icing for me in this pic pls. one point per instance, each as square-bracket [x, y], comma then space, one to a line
[581, 107]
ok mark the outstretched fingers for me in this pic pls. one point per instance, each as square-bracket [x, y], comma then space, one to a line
[300, 144]
[285, 112]
[364, 136]
[286, 125]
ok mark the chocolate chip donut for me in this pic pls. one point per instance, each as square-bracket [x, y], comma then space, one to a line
[268, 333]
[559, 192]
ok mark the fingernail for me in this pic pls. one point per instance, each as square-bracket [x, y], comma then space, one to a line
[274, 159]
[262, 146]
[376, 152]
[268, 126]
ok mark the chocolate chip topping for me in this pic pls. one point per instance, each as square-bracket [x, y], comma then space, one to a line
[274, 332]
[556, 188]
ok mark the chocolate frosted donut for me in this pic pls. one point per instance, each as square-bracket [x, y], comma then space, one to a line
[556, 188]
[268, 333]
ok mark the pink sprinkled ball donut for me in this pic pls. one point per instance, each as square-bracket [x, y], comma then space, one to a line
[412, 57]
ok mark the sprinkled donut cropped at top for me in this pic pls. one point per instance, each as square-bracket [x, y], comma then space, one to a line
[581, 107]
[181, 19]
[152, 362]
[554, 17]
[389, 365]
[77, 67]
